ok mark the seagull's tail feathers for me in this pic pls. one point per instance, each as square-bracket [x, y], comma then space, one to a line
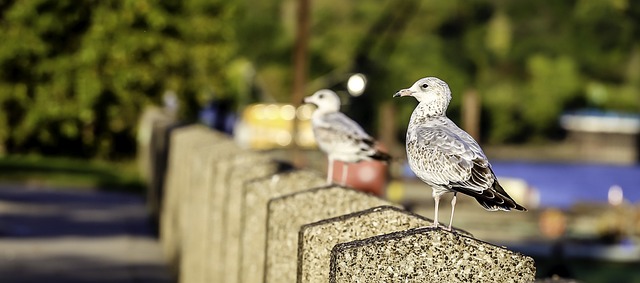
[375, 152]
[497, 199]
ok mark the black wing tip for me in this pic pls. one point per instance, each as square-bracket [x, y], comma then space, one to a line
[381, 156]
[507, 199]
[520, 207]
[497, 199]
[499, 203]
[504, 207]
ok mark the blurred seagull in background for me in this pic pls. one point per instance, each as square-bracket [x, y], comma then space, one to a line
[444, 156]
[338, 136]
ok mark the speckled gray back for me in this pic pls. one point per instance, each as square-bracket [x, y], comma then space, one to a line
[287, 214]
[427, 255]
[317, 239]
[256, 195]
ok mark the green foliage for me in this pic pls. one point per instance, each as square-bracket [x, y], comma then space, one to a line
[63, 172]
[552, 84]
[74, 75]
[504, 100]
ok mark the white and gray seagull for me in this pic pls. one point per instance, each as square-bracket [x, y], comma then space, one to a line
[338, 136]
[444, 156]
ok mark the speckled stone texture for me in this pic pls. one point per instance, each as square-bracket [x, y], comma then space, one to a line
[183, 142]
[196, 207]
[234, 172]
[316, 239]
[287, 214]
[427, 255]
[256, 196]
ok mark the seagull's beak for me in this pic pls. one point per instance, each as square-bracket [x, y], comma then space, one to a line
[309, 100]
[403, 92]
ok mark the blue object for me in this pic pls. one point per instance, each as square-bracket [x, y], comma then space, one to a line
[562, 185]
[218, 115]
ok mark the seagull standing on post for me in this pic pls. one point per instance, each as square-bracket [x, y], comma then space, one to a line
[444, 156]
[338, 136]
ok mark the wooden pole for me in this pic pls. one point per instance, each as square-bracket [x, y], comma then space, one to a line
[471, 113]
[300, 52]
[387, 134]
[300, 69]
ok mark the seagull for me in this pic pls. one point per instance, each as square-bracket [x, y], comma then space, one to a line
[338, 136]
[444, 156]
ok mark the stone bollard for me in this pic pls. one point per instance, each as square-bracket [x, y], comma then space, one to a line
[256, 196]
[427, 255]
[287, 214]
[183, 142]
[316, 239]
[153, 119]
[194, 222]
[154, 127]
[223, 258]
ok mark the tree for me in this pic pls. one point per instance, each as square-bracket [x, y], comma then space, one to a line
[75, 75]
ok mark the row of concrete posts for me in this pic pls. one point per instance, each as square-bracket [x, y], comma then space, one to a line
[233, 215]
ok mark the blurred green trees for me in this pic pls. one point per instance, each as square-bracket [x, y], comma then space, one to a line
[529, 60]
[75, 75]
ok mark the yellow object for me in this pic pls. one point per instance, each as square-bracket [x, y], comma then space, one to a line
[267, 126]
[395, 191]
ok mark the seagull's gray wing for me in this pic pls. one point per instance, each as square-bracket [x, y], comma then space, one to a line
[338, 130]
[466, 139]
[455, 161]
[449, 159]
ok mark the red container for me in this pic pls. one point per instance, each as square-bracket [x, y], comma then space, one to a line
[366, 176]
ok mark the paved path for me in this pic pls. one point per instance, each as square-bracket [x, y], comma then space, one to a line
[76, 236]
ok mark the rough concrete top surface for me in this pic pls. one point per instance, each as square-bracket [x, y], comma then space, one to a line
[288, 213]
[316, 239]
[427, 255]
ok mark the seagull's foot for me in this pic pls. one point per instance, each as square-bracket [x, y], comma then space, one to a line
[434, 225]
[443, 227]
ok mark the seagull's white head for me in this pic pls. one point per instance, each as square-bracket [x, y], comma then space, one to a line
[326, 100]
[434, 93]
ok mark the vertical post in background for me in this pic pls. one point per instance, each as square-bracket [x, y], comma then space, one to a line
[471, 113]
[387, 129]
[300, 67]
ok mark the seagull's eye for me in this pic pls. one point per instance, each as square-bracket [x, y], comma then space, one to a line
[424, 86]
[321, 96]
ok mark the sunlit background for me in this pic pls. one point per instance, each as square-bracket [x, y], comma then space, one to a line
[550, 89]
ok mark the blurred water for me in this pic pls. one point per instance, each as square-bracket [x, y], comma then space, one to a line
[562, 185]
